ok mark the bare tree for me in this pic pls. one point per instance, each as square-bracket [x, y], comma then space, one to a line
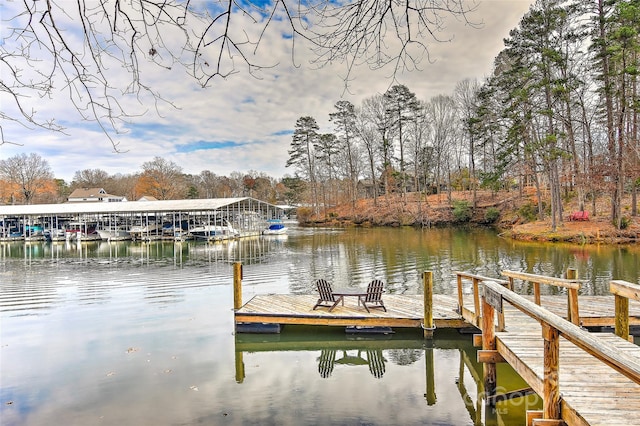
[30, 173]
[100, 51]
[466, 97]
[91, 178]
[162, 179]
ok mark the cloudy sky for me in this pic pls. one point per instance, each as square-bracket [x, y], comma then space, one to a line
[243, 123]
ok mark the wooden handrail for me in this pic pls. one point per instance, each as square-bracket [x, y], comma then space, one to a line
[571, 284]
[559, 282]
[623, 291]
[605, 352]
[473, 317]
[480, 277]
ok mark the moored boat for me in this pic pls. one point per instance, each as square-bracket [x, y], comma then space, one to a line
[81, 231]
[275, 227]
[55, 234]
[214, 232]
[114, 234]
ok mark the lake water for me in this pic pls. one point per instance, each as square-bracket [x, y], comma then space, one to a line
[142, 334]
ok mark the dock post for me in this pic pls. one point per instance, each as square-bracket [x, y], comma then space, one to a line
[488, 344]
[237, 285]
[428, 326]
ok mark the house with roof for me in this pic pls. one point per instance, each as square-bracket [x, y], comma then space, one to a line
[93, 195]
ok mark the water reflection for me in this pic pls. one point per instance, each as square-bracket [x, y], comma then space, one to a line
[405, 358]
[351, 257]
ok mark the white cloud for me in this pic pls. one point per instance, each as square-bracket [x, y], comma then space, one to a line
[249, 112]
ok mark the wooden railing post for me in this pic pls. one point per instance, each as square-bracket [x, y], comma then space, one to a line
[460, 294]
[622, 316]
[428, 326]
[476, 299]
[623, 291]
[573, 314]
[536, 293]
[488, 344]
[237, 285]
[551, 397]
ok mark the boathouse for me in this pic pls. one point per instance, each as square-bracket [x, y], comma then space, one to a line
[246, 215]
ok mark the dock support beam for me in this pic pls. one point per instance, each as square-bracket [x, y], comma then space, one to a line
[428, 327]
[237, 285]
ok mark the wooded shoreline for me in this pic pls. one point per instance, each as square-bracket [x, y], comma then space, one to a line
[513, 217]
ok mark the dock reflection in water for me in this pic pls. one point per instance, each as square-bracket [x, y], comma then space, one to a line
[397, 361]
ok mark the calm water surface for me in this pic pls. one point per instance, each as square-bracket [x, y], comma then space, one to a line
[142, 334]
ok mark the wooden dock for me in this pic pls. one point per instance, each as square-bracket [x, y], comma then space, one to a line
[403, 311]
[584, 378]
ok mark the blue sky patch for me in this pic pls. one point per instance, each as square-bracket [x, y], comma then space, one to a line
[206, 145]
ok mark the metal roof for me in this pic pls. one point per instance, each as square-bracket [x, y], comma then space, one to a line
[133, 207]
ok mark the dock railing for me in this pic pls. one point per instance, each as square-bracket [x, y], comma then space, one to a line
[472, 316]
[571, 283]
[553, 327]
[623, 291]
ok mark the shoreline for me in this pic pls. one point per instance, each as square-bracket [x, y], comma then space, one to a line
[438, 211]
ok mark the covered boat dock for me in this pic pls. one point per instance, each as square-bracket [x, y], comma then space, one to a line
[212, 219]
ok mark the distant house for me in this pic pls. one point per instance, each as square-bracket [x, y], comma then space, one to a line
[93, 195]
[147, 198]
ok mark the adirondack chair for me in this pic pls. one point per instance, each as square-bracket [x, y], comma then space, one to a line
[326, 299]
[373, 296]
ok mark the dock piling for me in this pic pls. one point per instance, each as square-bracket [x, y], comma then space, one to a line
[237, 285]
[428, 326]
[488, 344]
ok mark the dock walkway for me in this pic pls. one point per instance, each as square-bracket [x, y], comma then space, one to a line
[592, 393]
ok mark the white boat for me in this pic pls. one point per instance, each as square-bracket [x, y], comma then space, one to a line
[214, 232]
[146, 232]
[275, 227]
[114, 234]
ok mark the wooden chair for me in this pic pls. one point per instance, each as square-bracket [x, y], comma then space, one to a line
[373, 296]
[326, 299]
